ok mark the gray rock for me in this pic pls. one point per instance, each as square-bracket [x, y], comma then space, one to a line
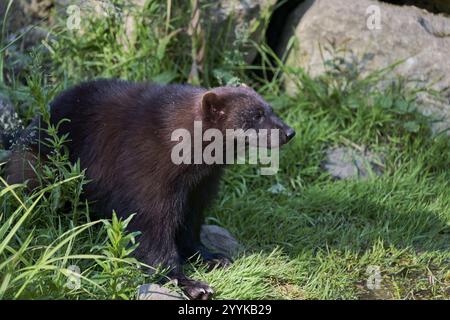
[4, 155]
[415, 36]
[277, 188]
[153, 291]
[348, 163]
[219, 240]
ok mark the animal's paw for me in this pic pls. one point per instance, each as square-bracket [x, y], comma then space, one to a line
[217, 260]
[197, 290]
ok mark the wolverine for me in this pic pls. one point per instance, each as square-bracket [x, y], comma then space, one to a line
[120, 131]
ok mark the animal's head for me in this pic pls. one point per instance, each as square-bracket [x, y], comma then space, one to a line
[242, 108]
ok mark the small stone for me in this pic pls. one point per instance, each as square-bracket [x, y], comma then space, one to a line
[219, 240]
[348, 163]
[277, 188]
[4, 155]
[152, 291]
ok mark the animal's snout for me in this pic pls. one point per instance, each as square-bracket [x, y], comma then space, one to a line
[290, 133]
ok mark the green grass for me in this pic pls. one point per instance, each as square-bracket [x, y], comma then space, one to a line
[316, 239]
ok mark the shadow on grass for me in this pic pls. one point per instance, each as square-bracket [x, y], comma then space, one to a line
[344, 217]
[333, 232]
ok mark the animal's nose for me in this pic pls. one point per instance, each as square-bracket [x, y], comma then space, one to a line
[290, 133]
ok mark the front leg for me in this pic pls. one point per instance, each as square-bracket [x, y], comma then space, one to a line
[188, 238]
[191, 249]
[158, 247]
[163, 251]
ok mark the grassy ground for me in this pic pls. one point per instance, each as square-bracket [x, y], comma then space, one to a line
[315, 239]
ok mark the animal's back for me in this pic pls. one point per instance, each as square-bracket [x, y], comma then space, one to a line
[119, 132]
[93, 108]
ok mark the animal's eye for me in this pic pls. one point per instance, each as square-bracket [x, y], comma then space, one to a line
[259, 116]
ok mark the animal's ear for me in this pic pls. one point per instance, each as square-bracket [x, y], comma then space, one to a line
[212, 106]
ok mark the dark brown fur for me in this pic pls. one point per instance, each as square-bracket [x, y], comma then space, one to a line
[121, 133]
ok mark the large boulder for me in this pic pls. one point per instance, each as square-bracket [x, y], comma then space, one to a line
[404, 33]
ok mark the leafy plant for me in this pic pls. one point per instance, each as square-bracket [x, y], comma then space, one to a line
[119, 277]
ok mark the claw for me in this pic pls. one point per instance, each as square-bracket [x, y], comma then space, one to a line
[197, 290]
